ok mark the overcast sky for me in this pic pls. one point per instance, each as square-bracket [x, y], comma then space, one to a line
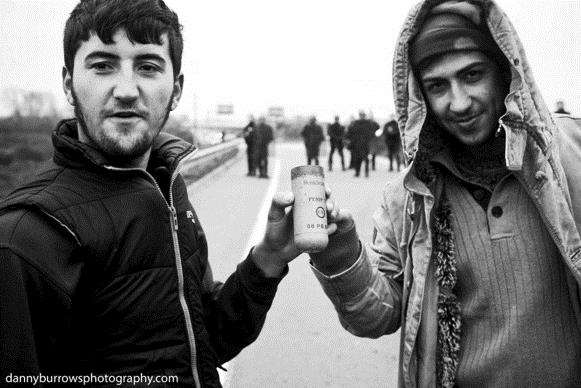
[310, 56]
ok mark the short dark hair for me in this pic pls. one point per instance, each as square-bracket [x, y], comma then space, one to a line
[145, 21]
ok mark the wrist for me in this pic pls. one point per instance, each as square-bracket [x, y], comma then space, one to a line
[267, 261]
[343, 250]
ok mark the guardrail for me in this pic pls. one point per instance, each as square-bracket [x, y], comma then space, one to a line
[207, 159]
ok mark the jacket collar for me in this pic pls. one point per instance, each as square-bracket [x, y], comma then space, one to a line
[167, 150]
[528, 123]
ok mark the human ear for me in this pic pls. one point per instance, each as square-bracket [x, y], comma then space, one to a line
[68, 85]
[178, 87]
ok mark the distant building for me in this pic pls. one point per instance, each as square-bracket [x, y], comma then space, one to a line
[225, 109]
[275, 113]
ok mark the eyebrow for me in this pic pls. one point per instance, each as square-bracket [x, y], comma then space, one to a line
[462, 70]
[108, 55]
[100, 54]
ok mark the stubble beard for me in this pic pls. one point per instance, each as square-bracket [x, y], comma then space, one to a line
[111, 149]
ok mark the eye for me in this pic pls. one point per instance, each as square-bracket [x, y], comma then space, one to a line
[474, 75]
[436, 87]
[149, 68]
[101, 67]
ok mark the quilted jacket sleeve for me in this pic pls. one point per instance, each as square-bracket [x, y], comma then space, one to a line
[368, 295]
[34, 305]
[235, 310]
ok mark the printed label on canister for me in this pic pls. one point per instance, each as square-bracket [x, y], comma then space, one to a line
[309, 210]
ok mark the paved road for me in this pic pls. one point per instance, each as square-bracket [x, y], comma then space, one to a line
[302, 343]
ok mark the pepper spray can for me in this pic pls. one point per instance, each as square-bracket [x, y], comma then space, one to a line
[310, 208]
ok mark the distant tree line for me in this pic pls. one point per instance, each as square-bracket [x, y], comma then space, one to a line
[26, 143]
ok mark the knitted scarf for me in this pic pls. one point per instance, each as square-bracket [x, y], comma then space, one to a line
[431, 142]
[449, 318]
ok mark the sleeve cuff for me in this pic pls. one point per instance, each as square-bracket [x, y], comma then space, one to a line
[254, 280]
[341, 252]
[350, 282]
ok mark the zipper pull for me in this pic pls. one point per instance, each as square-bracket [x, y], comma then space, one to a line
[174, 218]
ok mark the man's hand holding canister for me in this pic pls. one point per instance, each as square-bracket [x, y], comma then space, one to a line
[344, 247]
[278, 247]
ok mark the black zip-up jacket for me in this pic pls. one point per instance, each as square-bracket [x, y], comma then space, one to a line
[105, 271]
[336, 134]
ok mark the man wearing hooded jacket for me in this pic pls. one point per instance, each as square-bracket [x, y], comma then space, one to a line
[476, 248]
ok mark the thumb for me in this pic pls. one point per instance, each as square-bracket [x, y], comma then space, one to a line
[280, 202]
[344, 220]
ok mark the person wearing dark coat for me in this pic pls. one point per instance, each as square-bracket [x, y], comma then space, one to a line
[359, 134]
[336, 134]
[263, 137]
[561, 108]
[104, 269]
[249, 136]
[374, 142]
[393, 143]
[313, 136]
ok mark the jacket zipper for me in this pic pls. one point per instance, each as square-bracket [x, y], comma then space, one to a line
[178, 259]
[176, 246]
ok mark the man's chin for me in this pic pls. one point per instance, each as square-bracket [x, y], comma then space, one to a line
[474, 140]
[125, 149]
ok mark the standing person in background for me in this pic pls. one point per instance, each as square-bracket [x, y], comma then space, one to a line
[313, 136]
[561, 108]
[376, 142]
[264, 135]
[249, 135]
[359, 134]
[347, 142]
[393, 142]
[336, 134]
[476, 246]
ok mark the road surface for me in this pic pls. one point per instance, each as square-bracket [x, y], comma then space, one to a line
[302, 343]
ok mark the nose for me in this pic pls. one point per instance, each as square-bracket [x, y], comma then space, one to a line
[126, 88]
[460, 100]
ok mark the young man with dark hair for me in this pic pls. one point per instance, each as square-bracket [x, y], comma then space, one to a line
[475, 254]
[103, 262]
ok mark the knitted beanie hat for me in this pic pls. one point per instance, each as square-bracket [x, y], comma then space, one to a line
[452, 26]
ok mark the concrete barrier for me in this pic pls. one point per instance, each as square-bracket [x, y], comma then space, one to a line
[207, 159]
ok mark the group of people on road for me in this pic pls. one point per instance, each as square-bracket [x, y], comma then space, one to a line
[475, 254]
[361, 138]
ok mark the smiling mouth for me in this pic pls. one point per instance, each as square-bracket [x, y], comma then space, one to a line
[468, 121]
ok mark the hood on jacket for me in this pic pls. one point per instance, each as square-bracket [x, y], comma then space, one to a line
[527, 119]
[167, 150]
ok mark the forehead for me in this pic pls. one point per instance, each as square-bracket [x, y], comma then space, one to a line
[448, 65]
[123, 47]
